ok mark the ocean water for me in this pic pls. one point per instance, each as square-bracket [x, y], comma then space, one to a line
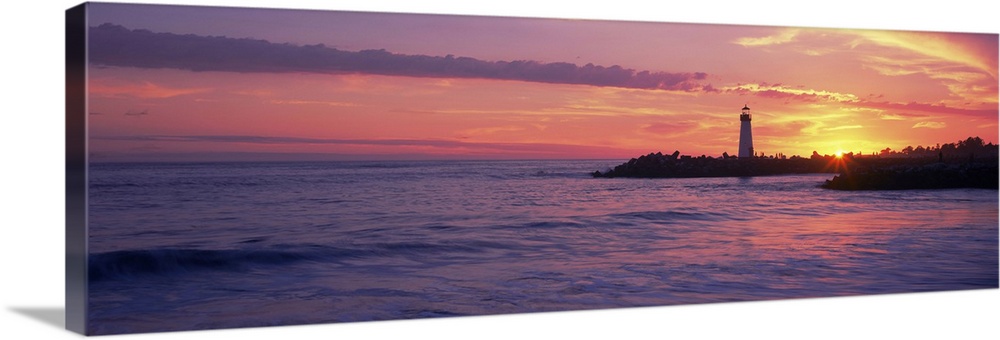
[220, 245]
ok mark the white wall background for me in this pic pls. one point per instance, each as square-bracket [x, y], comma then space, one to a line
[31, 190]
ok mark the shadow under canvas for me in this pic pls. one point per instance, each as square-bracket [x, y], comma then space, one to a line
[53, 316]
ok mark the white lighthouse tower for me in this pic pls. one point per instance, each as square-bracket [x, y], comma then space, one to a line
[746, 137]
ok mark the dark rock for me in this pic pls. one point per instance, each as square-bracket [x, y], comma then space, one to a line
[977, 174]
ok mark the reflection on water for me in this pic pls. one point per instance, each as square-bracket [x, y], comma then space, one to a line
[227, 245]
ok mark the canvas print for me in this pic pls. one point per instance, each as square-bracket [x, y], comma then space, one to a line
[245, 167]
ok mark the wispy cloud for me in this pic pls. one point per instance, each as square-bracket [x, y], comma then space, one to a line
[784, 36]
[778, 91]
[889, 110]
[964, 82]
[843, 127]
[928, 108]
[898, 116]
[930, 125]
[671, 128]
[114, 45]
[975, 50]
[145, 90]
[484, 131]
[314, 102]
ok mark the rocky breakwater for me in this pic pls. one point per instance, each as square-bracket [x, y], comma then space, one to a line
[911, 175]
[676, 166]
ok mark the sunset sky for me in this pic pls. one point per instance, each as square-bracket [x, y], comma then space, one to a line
[196, 83]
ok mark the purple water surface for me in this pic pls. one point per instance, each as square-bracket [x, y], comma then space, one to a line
[200, 246]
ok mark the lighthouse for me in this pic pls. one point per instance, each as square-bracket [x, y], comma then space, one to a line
[746, 137]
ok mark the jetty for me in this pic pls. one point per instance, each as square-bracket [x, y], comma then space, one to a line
[849, 172]
[674, 165]
[889, 175]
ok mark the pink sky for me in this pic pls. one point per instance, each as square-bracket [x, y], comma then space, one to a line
[809, 89]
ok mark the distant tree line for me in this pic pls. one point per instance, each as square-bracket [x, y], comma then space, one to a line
[970, 147]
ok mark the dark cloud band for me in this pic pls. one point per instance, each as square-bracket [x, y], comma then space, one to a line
[114, 45]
